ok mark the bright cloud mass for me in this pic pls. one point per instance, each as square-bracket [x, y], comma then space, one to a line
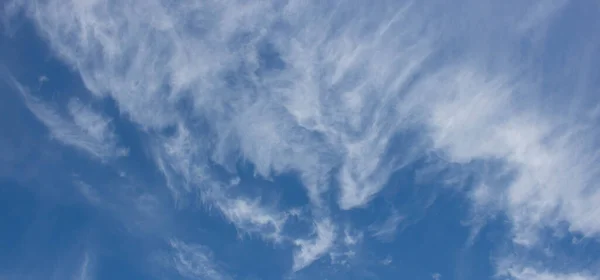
[192, 139]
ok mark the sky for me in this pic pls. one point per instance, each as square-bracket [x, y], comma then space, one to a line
[299, 139]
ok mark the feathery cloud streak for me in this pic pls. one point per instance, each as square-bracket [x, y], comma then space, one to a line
[83, 128]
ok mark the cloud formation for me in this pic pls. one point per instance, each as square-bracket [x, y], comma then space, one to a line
[85, 271]
[312, 249]
[342, 94]
[83, 128]
[522, 273]
[386, 231]
[194, 261]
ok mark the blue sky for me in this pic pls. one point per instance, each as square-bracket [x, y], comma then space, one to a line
[158, 139]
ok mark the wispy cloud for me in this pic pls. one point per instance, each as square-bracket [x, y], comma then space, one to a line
[310, 250]
[96, 126]
[85, 270]
[345, 93]
[277, 135]
[386, 231]
[473, 125]
[523, 273]
[251, 217]
[352, 237]
[195, 262]
[83, 128]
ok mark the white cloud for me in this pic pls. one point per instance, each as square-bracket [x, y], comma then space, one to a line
[85, 270]
[85, 130]
[547, 154]
[195, 262]
[251, 217]
[347, 251]
[42, 79]
[352, 237]
[88, 192]
[177, 159]
[364, 91]
[122, 53]
[312, 249]
[387, 261]
[174, 158]
[386, 231]
[529, 273]
[93, 124]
